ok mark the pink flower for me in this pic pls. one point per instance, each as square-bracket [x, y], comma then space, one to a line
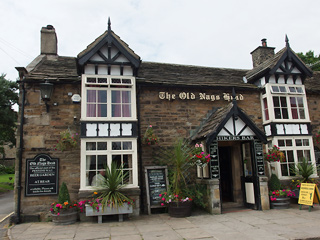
[58, 213]
[162, 204]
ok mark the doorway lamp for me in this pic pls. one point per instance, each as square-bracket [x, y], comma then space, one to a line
[46, 90]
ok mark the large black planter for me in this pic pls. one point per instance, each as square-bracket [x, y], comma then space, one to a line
[280, 203]
[65, 217]
[180, 209]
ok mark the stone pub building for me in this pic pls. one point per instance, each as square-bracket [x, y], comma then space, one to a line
[109, 97]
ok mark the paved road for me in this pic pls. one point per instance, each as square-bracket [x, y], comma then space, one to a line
[6, 207]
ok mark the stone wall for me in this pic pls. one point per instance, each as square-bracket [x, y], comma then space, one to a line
[41, 131]
[173, 119]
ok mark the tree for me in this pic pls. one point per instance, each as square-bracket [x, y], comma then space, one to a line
[311, 60]
[8, 119]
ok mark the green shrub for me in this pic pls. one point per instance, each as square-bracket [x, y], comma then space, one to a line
[63, 194]
[274, 183]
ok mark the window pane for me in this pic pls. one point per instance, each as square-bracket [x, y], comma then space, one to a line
[299, 89]
[91, 162]
[115, 95]
[127, 145]
[305, 142]
[102, 110]
[277, 113]
[90, 146]
[300, 155]
[283, 101]
[102, 145]
[284, 170]
[294, 113]
[301, 112]
[275, 89]
[116, 110]
[300, 102]
[293, 102]
[91, 96]
[126, 110]
[126, 97]
[102, 96]
[276, 102]
[116, 145]
[285, 113]
[91, 110]
[117, 159]
[288, 142]
[298, 142]
[281, 143]
[290, 157]
[102, 162]
[292, 89]
[283, 89]
[266, 112]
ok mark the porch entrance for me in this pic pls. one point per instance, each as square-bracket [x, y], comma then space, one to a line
[238, 189]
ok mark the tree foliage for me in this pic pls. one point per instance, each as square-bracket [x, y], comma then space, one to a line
[311, 60]
[8, 119]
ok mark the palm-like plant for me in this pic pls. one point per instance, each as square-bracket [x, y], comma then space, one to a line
[111, 195]
[179, 159]
[304, 169]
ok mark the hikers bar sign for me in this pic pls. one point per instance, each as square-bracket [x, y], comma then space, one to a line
[309, 194]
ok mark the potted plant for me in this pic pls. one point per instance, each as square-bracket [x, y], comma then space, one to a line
[177, 199]
[279, 197]
[201, 160]
[110, 200]
[303, 170]
[274, 155]
[64, 211]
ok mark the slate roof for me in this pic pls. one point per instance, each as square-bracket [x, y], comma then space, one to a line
[53, 67]
[269, 64]
[212, 122]
[153, 73]
[101, 39]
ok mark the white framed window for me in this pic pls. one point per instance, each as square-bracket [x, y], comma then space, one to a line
[97, 153]
[294, 149]
[283, 103]
[106, 97]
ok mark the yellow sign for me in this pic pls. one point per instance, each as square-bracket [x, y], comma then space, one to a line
[309, 194]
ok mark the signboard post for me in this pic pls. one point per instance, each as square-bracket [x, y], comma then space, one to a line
[42, 175]
[309, 194]
[156, 183]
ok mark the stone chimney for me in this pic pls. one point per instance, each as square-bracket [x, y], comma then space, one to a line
[49, 41]
[262, 53]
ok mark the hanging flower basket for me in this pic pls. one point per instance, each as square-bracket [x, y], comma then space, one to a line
[67, 141]
[274, 155]
[149, 138]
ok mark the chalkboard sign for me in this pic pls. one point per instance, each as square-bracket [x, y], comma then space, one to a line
[156, 183]
[259, 157]
[42, 176]
[214, 160]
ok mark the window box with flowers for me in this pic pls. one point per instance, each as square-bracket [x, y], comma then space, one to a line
[110, 200]
[149, 137]
[67, 141]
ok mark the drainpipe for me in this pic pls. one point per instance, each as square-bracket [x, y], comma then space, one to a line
[140, 151]
[20, 149]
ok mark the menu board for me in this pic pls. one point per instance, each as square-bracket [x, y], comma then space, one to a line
[42, 175]
[259, 157]
[156, 183]
[214, 160]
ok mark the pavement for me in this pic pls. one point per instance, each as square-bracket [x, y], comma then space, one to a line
[246, 224]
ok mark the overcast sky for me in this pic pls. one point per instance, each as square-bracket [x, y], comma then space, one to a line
[202, 32]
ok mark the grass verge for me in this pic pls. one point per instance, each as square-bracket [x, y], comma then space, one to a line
[6, 182]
